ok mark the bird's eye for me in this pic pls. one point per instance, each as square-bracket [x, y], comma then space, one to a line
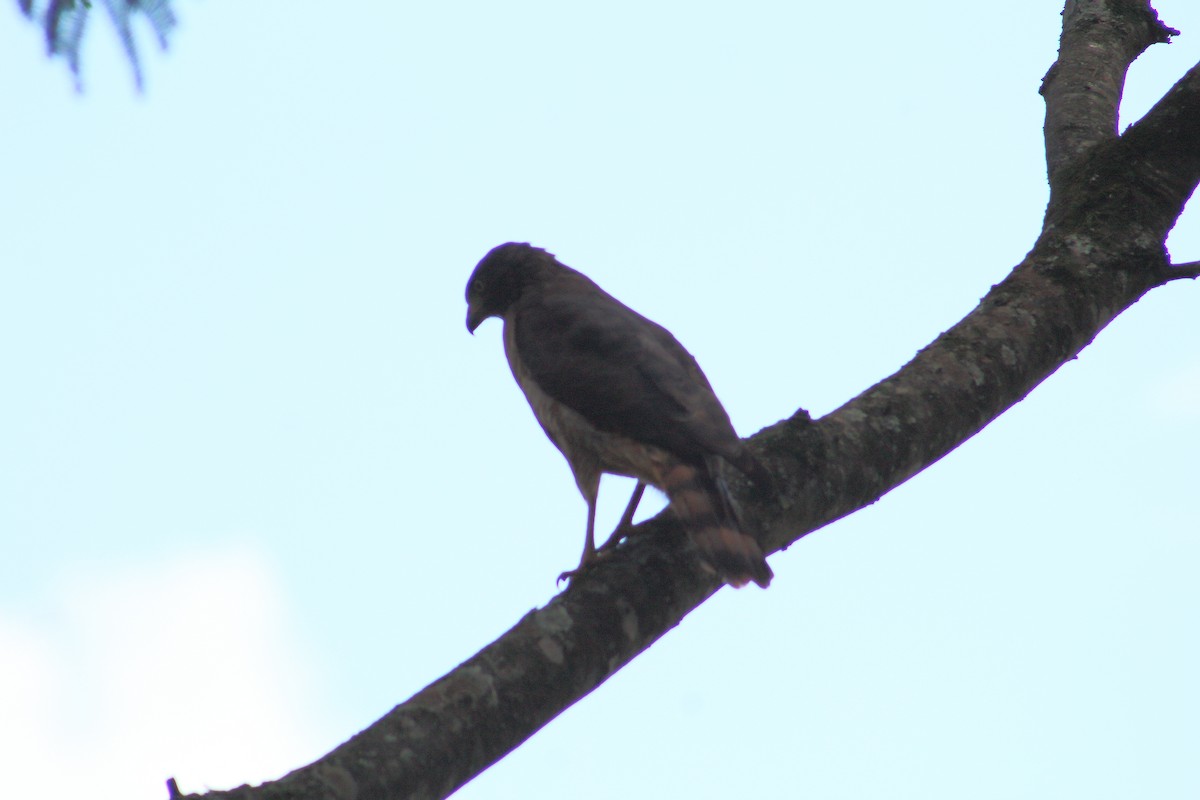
[477, 286]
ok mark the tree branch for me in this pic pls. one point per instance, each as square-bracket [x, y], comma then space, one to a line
[1164, 152]
[1188, 270]
[1114, 201]
[1100, 39]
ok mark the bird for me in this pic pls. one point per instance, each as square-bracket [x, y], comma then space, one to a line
[617, 393]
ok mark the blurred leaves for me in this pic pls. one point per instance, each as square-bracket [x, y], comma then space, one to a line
[64, 21]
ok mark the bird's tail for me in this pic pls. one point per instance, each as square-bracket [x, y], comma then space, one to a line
[706, 511]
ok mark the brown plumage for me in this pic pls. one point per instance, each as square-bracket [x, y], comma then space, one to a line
[617, 393]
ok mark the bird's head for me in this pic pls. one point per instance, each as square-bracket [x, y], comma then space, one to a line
[499, 279]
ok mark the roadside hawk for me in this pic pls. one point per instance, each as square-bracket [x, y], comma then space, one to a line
[617, 393]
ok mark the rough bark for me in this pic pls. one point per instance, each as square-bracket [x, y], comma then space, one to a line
[1083, 88]
[1113, 201]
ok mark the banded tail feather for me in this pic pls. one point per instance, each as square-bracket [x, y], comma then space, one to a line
[701, 503]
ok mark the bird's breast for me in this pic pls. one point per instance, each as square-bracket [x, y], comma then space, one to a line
[588, 450]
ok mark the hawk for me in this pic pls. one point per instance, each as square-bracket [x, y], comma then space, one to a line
[617, 393]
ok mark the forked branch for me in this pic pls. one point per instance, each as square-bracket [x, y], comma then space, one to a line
[1113, 201]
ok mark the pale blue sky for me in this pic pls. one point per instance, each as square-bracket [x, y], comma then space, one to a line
[258, 485]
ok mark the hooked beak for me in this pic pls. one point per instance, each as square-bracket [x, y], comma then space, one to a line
[474, 318]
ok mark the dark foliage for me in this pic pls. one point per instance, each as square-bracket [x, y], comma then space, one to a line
[63, 23]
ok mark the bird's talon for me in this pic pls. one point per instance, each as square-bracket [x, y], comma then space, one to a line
[596, 555]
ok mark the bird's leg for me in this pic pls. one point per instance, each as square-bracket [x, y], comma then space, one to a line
[589, 543]
[626, 523]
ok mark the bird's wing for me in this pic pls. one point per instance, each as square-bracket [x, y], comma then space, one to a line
[622, 372]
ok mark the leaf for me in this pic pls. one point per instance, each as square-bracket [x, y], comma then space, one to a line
[64, 21]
